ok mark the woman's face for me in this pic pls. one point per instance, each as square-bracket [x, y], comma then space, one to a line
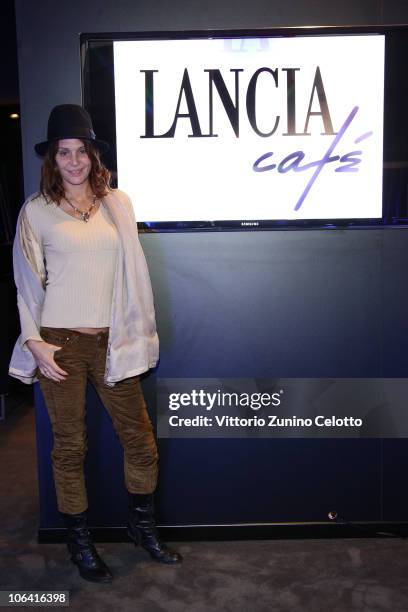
[73, 162]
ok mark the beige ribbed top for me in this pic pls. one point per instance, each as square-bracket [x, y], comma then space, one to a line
[80, 260]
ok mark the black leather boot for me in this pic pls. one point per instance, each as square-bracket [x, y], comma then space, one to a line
[142, 529]
[83, 552]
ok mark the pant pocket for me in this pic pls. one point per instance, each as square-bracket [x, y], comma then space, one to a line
[65, 341]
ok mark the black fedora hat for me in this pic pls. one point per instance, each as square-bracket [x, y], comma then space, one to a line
[69, 121]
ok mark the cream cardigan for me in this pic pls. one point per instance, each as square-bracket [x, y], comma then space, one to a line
[133, 345]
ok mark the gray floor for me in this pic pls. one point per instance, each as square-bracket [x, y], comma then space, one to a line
[368, 575]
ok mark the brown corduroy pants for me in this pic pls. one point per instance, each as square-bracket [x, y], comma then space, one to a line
[83, 356]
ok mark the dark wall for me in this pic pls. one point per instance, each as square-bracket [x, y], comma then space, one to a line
[8, 49]
[11, 192]
[278, 304]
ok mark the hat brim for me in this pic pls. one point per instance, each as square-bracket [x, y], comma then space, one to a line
[41, 147]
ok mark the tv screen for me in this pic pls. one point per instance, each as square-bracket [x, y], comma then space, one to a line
[235, 130]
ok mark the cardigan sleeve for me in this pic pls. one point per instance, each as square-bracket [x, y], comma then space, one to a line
[32, 248]
[29, 329]
[125, 199]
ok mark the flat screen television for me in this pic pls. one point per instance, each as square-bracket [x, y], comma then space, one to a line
[258, 129]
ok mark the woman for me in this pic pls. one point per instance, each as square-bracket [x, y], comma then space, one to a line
[86, 312]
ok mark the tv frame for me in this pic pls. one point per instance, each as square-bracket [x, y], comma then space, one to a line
[389, 216]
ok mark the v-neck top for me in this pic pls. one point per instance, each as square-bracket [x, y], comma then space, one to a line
[80, 262]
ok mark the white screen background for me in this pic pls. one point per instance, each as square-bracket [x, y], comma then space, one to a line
[211, 179]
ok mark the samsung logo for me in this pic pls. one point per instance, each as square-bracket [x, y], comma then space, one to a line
[249, 223]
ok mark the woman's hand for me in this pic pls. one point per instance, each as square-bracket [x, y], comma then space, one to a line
[43, 353]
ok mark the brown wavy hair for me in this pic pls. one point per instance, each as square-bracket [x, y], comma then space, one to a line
[51, 185]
